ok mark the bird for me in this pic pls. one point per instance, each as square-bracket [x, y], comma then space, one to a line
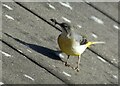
[71, 43]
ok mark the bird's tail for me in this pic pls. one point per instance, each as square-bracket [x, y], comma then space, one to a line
[92, 43]
[97, 42]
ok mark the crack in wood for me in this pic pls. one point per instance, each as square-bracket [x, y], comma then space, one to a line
[30, 57]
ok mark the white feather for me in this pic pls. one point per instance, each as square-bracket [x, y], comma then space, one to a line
[98, 42]
[79, 48]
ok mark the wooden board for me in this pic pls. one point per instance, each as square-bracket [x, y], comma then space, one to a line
[109, 8]
[17, 69]
[92, 21]
[36, 39]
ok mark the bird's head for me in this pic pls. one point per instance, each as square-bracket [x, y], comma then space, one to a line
[66, 27]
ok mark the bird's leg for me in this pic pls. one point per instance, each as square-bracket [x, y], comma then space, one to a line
[78, 63]
[66, 63]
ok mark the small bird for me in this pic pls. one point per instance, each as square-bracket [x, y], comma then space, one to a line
[72, 43]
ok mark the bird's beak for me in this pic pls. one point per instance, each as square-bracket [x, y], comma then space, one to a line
[92, 43]
[58, 23]
[54, 20]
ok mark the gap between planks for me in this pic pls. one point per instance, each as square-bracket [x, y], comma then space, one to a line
[104, 13]
[10, 42]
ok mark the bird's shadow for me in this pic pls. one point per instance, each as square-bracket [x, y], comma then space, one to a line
[40, 49]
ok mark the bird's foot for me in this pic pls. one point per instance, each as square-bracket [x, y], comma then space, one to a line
[76, 69]
[66, 64]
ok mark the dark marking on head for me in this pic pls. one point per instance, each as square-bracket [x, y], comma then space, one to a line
[84, 41]
[66, 26]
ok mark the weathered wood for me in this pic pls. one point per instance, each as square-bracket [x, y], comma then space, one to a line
[91, 69]
[29, 33]
[17, 69]
[81, 15]
[110, 9]
[34, 57]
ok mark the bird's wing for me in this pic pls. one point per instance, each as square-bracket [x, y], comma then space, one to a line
[79, 38]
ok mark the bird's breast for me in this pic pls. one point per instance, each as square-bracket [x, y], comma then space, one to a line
[66, 45]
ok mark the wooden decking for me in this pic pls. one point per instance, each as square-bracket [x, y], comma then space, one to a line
[30, 50]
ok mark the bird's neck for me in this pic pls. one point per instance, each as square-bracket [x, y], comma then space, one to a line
[67, 33]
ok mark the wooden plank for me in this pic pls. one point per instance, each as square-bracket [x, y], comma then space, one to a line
[29, 33]
[21, 29]
[92, 21]
[17, 69]
[109, 8]
[92, 71]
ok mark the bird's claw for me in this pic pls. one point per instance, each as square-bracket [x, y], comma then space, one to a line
[66, 64]
[76, 69]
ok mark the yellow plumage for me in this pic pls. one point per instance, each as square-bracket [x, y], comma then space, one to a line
[72, 43]
[66, 45]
